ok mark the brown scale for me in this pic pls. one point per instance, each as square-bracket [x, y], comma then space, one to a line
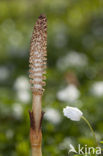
[40, 77]
[34, 72]
[38, 61]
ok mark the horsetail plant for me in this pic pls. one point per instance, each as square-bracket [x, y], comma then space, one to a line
[37, 71]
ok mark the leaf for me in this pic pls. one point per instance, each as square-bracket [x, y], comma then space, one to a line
[101, 142]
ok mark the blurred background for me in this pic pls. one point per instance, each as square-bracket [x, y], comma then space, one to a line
[74, 74]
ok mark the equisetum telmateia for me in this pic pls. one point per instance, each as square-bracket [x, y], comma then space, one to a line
[37, 73]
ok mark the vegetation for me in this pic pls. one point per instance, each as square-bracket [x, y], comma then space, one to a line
[74, 76]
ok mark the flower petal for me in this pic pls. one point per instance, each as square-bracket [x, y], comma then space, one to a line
[72, 113]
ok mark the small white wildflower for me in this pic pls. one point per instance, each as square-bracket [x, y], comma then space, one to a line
[23, 96]
[22, 83]
[17, 110]
[52, 115]
[72, 113]
[22, 87]
[72, 59]
[69, 94]
[97, 88]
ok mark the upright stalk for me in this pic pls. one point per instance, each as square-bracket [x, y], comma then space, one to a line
[36, 108]
[35, 134]
[37, 66]
[35, 129]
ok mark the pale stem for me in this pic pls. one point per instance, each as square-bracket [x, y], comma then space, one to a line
[36, 152]
[36, 108]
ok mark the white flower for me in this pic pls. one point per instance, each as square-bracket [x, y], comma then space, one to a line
[72, 113]
[97, 88]
[17, 110]
[22, 87]
[23, 96]
[72, 59]
[69, 94]
[52, 115]
[22, 83]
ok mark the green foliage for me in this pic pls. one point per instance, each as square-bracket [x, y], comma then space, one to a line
[22, 148]
[75, 28]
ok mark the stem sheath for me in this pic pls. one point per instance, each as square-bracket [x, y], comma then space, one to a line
[35, 129]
